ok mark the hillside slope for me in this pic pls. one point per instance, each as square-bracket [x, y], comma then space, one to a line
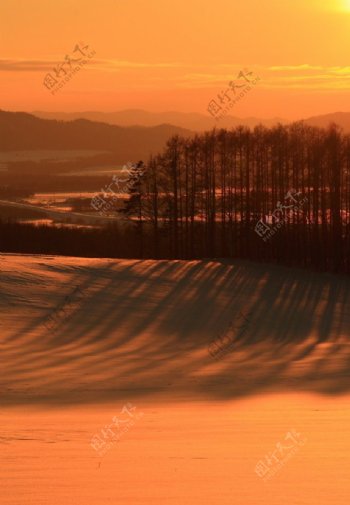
[88, 330]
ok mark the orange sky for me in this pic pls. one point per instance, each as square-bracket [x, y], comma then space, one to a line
[162, 55]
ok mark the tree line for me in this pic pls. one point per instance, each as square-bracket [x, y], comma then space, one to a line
[277, 194]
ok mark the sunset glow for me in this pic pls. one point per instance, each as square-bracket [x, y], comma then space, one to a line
[175, 252]
[146, 58]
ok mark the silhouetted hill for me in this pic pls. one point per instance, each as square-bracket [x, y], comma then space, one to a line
[22, 131]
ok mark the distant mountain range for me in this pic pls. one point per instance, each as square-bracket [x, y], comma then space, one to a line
[191, 120]
[22, 131]
[72, 131]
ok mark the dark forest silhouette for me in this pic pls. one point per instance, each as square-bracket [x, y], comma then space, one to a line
[210, 192]
[204, 196]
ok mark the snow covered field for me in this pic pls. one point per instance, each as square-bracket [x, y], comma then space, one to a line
[83, 339]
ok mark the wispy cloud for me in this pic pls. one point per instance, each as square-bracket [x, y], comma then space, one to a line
[122, 64]
[308, 77]
[177, 74]
[305, 66]
[107, 65]
[303, 76]
[26, 65]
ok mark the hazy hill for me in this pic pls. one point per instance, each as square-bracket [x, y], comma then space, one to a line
[192, 120]
[340, 118]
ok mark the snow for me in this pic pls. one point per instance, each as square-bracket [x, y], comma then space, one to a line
[139, 331]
